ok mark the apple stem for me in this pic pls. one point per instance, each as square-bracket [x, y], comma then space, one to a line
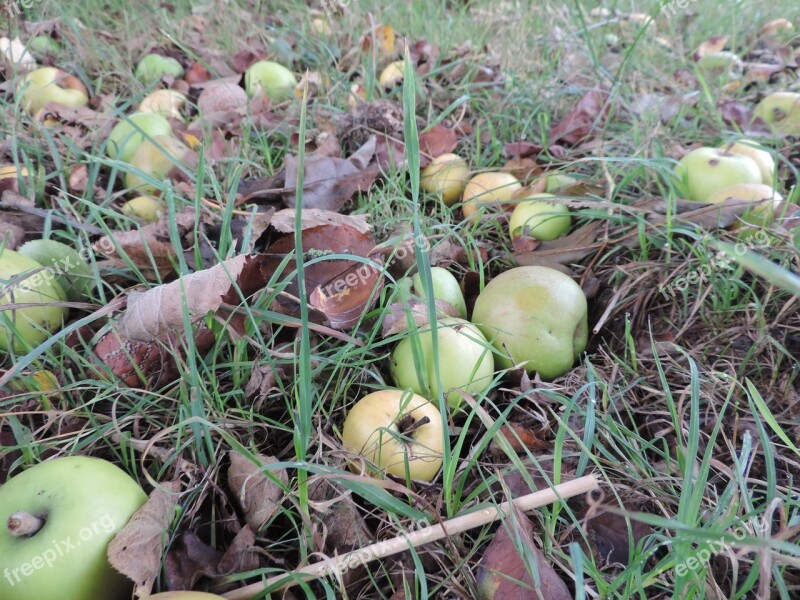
[408, 429]
[22, 524]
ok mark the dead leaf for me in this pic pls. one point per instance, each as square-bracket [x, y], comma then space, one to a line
[242, 555]
[188, 560]
[565, 251]
[283, 221]
[712, 45]
[258, 494]
[197, 73]
[345, 298]
[434, 142]
[610, 535]
[589, 113]
[520, 438]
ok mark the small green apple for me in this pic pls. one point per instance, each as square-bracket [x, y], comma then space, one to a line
[145, 208]
[69, 267]
[488, 189]
[764, 213]
[57, 520]
[705, 170]
[127, 135]
[270, 78]
[397, 431]
[446, 175]
[558, 181]
[25, 281]
[167, 103]
[48, 84]
[781, 112]
[184, 596]
[392, 74]
[154, 66]
[43, 44]
[539, 219]
[156, 158]
[465, 361]
[758, 153]
[445, 287]
[535, 316]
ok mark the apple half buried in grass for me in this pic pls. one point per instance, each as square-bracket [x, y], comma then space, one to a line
[48, 84]
[464, 356]
[446, 175]
[67, 265]
[705, 170]
[399, 432]
[154, 66]
[156, 158]
[488, 189]
[131, 132]
[445, 287]
[56, 520]
[535, 317]
[539, 219]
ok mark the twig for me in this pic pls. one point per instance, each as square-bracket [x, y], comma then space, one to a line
[427, 535]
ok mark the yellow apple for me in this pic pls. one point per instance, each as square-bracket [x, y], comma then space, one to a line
[48, 84]
[156, 158]
[167, 103]
[145, 208]
[446, 175]
[392, 74]
[762, 214]
[781, 112]
[488, 189]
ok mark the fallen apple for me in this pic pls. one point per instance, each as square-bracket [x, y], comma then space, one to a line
[48, 84]
[399, 432]
[445, 287]
[145, 208]
[167, 103]
[66, 264]
[781, 112]
[464, 356]
[763, 213]
[270, 78]
[184, 596]
[43, 44]
[539, 219]
[155, 158]
[392, 74]
[446, 175]
[127, 135]
[154, 66]
[488, 189]
[12, 172]
[558, 181]
[25, 281]
[725, 64]
[535, 317]
[704, 170]
[58, 518]
[758, 153]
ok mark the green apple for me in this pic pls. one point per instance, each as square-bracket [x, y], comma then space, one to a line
[558, 181]
[539, 219]
[758, 153]
[764, 213]
[446, 175]
[167, 103]
[154, 66]
[399, 432]
[781, 112]
[145, 208]
[156, 158]
[58, 518]
[705, 170]
[536, 317]
[25, 281]
[69, 267]
[43, 44]
[465, 361]
[48, 84]
[445, 287]
[184, 596]
[392, 74]
[488, 189]
[270, 78]
[127, 135]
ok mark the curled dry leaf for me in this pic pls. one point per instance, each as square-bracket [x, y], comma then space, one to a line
[589, 113]
[520, 437]
[189, 559]
[434, 142]
[256, 492]
[565, 251]
[344, 299]
[283, 221]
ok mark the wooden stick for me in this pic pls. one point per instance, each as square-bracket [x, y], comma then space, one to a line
[429, 534]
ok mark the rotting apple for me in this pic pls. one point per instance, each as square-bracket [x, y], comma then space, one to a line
[270, 78]
[465, 361]
[57, 520]
[145, 208]
[392, 74]
[758, 153]
[155, 158]
[399, 432]
[184, 596]
[535, 217]
[68, 266]
[535, 317]
[131, 132]
[763, 213]
[488, 189]
[446, 175]
[781, 112]
[704, 170]
[25, 281]
[48, 84]
[155, 66]
[167, 103]
[445, 287]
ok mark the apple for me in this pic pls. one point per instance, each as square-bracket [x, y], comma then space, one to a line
[534, 316]
[43, 44]
[11, 171]
[705, 170]
[145, 208]
[270, 78]
[154, 66]
[68, 266]
[446, 175]
[539, 219]
[127, 135]
[392, 74]
[445, 287]
[721, 63]
[167, 103]
[758, 153]
[156, 158]
[48, 84]
[25, 281]
[487, 189]
[320, 26]
[184, 596]
[781, 112]
[58, 518]
[558, 181]
[397, 431]
[764, 213]
[465, 361]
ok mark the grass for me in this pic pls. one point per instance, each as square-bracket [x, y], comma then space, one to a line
[685, 404]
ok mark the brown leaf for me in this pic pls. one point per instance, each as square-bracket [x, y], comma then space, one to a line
[188, 560]
[344, 299]
[565, 251]
[520, 150]
[434, 142]
[197, 73]
[258, 494]
[525, 169]
[610, 535]
[283, 221]
[520, 438]
[242, 555]
[589, 112]
[78, 179]
[712, 45]
[136, 551]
